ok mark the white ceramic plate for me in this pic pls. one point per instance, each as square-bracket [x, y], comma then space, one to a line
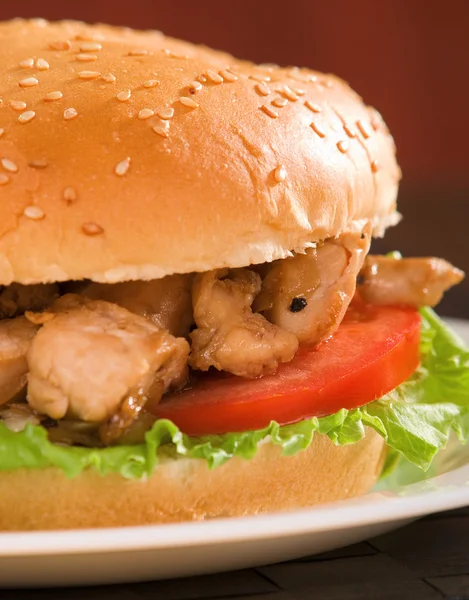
[144, 553]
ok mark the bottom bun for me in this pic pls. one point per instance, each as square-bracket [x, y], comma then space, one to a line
[186, 489]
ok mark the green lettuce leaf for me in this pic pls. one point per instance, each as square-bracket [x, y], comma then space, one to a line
[416, 420]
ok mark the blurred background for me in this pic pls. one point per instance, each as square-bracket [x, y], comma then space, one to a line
[409, 58]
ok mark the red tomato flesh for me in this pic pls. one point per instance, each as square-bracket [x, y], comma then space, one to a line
[374, 350]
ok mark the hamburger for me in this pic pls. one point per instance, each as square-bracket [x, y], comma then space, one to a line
[191, 323]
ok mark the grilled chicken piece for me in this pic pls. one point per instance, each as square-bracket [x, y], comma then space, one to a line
[229, 336]
[15, 338]
[408, 281]
[16, 415]
[166, 302]
[309, 293]
[91, 355]
[15, 299]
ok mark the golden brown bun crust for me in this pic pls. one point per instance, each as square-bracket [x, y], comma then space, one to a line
[206, 195]
[187, 490]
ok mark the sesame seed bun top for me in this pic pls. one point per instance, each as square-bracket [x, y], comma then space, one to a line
[130, 155]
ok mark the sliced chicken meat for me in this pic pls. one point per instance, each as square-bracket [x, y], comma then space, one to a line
[166, 302]
[229, 336]
[408, 281]
[16, 415]
[95, 361]
[15, 299]
[309, 293]
[15, 338]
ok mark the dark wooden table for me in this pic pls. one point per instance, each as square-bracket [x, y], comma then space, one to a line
[427, 560]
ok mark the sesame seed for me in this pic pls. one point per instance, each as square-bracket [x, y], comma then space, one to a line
[364, 130]
[39, 22]
[260, 78]
[171, 54]
[89, 75]
[90, 47]
[280, 174]
[83, 57]
[38, 164]
[4, 179]
[299, 91]
[27, 64]
[70, 113]
[60, 45]
[228, 76]
[151, 83]
[315, 127]
[180, 56]
[109, 78]
[124, 95]
[69, 195]
[263, 89]
[51, 96]
[296, 74]
[376, 119]
[17, 105]
[146, 113]
[188, 102]
[214, 77]
[202, 78]
[34, 212]
[166, 113]
[28, 82]
[160, 130]
[288, 93]
[280, 102]
[342, 145]
[349, 131]
[2, 131]
[26, 116]
[313, 107]
[87, 37]
[92, 229]
[194, 86]
[375, 166]
[9, 165]
[42, 64]
[268, 111]
[138, 52]
[122, 167]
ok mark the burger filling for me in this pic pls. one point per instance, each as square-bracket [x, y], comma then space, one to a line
[84, 359]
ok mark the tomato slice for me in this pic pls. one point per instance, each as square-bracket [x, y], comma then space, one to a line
[374, 350]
